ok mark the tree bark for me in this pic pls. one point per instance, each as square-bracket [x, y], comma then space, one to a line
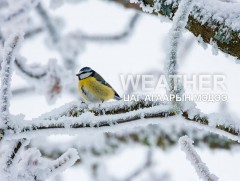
[227, 40]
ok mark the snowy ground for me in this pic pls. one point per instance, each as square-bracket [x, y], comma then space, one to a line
[143, 51]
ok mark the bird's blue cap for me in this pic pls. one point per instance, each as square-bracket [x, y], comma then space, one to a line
[84, 69]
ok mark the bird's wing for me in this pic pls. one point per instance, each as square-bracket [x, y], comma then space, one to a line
[100, 79]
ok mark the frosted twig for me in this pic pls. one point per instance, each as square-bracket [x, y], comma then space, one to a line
[10, 158]
[19, 13]
[38, 73]
[14, 152]
[179, 22]
[10, 48]
[50, 79]
[200, 167]
[62, 163]
[33, 166]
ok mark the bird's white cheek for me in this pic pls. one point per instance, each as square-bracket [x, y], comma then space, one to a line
[85, 75]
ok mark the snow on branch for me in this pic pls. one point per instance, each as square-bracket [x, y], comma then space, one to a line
[165, 135]
[34, 72]
[214, 21]
[32, 166]
[76, 117]
[88, 119]
[59, 165]
[215, 122]
[10, 158]
[10, 48]
[200, 167]
[23, 9]
[15, 149]
[179, 23]
[49, 80]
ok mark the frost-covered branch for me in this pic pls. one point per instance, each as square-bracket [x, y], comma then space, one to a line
[164, 135]
[10, 158]
[214, 122]
[18, 13]
[214, 21]
[200, 167]
[76, 117]
[50, 79]
[14, 152]
[36, 72]
[59, 165]
[93, 118]
[179, 22]
[32, 166]
[14, 164]
[8, 58]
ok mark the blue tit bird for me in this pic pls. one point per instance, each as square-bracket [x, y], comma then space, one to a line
[93, 88]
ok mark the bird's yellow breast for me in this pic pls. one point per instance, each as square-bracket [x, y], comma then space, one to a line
[96, 89]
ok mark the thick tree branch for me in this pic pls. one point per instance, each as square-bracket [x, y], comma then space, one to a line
[76, 117]
[164, 136]
[209, 26]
